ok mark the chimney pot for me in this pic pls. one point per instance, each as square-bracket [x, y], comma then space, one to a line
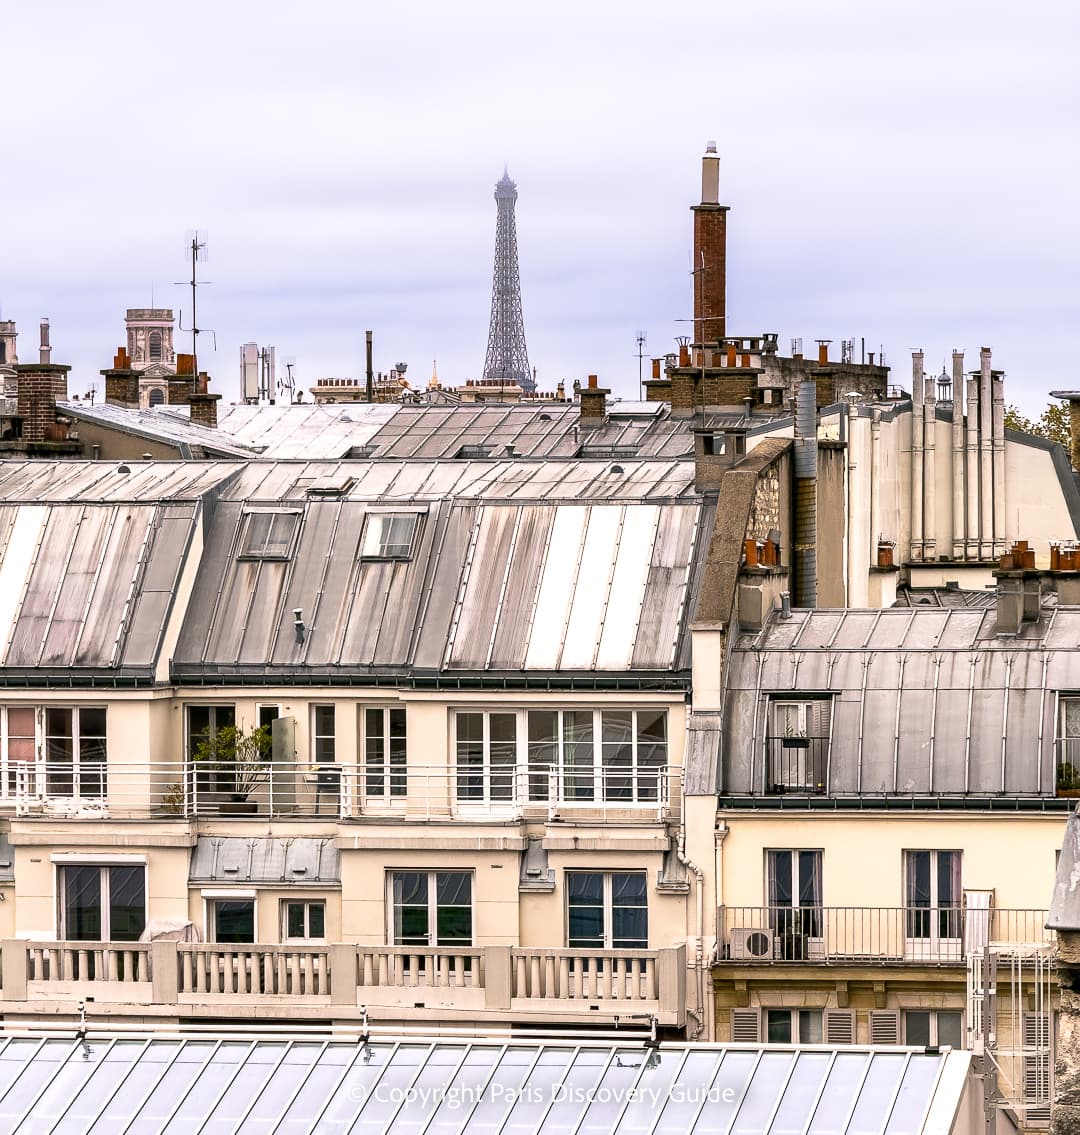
[592, 381]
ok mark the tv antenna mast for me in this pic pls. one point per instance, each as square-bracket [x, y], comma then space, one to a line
[287, 384]
[195, 243]
[640, 340]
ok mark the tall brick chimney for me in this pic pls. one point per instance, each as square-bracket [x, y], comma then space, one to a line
[40, 385]
[204, 405]
[593, 402]
[710, 253]
[121, 382]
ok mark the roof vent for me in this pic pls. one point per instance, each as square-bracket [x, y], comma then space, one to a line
[616, 469]
[123, 469]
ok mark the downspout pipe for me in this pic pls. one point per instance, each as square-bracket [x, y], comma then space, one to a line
[806, 462]
[699, 948]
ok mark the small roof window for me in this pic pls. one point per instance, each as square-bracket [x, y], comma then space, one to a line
[268, 535]
[389, 535]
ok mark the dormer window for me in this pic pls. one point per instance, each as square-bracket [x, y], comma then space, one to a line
[268, 535]
[389, 535]
[797, 745]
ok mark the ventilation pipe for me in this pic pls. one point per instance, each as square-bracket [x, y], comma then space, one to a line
[917, 455]
[971, 552]
[986, 457]
[958, 454]
[370, 373]
[997, 385]
[805, 552]
[929, 485]
[45, 350]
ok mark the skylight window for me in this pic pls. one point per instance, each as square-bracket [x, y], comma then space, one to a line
[389, 535]
[268, 535]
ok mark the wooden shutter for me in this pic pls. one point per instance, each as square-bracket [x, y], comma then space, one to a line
[884, 1026]
[839, 1026]
[745, 1026]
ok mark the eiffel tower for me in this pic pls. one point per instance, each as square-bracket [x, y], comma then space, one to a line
[507, 360]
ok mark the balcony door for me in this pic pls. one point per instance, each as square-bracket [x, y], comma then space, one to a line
[933, 906]
[795, 916]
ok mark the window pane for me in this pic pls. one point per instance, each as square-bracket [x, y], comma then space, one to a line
[948, 1029]
[585, 887]
[82, 903]
[234, 921]
[809, 1026]
[127, 903]
[21, 733]
[453, 888]
[586, 927]
[628, 888]
[917, 1027]
[778, 1026]
[630, 928]
[578, 755]
[454, 926]
[410, 887]
[324, 720]
[294, 920]
[316, 920]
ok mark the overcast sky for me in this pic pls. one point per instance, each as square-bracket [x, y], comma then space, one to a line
[904, 173]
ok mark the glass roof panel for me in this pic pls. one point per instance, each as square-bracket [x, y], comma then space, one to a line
[468, 1087]
[318, 1088]
[655, 1085]
[427, 1094]
[726, 1091]
[570, 1100]
[177, 1078]
[799, 1096]
[687, 1093]
[539, 1090]
[916, 1092]
[390, 1092]
[113, 1114]
[763, 1095]
[211, 1083]
[506, 1085]
[36, 1074]
[839, 1094]
[353, 1091]
[266, 1068]
[625, 1078]
[878, 1092]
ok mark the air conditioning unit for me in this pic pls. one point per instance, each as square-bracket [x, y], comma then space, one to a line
[752, 944]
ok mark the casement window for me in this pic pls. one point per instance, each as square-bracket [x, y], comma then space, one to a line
[793, 881]
[562, 755]
[323, 734]
[431, 908]
[75, 751]
[927, 1027]
[303, 921]
[389, 535]
[203, 721]
[485, 751]
[607, 910]
[383, 746]
[933, 898]
[797, 745]
[18, 744]
[793, 1026]
[268, 535]
[101, 902]
[1068, 746]
[231, 920]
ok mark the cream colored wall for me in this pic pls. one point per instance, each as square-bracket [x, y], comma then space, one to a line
[862, 861]
[36, 875]
[268, 904]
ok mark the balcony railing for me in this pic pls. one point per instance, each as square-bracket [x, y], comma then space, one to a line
[338, 980]
[349, 791]
[798, 765]
[916, 934]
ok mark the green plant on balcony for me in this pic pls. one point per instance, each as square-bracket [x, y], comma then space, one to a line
[236, 758]
[1068, 779]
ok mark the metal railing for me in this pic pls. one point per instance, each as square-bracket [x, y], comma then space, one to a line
[798, 765]
[349, 791]
[915, 934]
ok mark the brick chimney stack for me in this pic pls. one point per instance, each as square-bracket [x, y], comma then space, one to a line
[204, 405]
[593, 402]
[710, 254]
[40, 386]
[121, 382]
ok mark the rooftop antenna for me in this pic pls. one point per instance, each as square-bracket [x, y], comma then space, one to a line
[195, 242]
[640, 340]
[287, 385]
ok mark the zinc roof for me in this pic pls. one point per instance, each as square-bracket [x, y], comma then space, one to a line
[924, 700]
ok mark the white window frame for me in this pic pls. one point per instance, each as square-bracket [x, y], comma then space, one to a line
[433, 906]
[89, 779]
[385, 781]
[280, 548]
[307, 904]
[104, 863]
[939, 943]
[323, 748]
[592, 783]
[933, 1028]
[374, 539]
[608, 907]
[213, 895]
[795, 1019]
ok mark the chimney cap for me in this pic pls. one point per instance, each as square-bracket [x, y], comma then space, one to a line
[710, 147]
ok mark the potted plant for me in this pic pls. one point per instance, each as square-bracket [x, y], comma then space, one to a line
[794, 739]
[1067, 782]
[236, 759]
